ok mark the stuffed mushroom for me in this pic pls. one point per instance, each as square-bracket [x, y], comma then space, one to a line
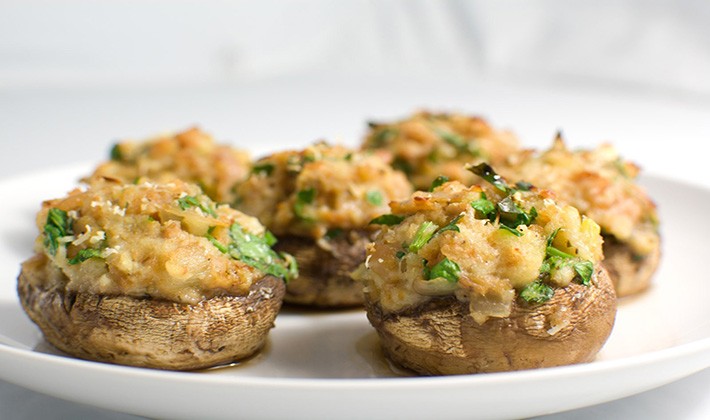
[152, 275]
[319, 202]
[603, 187]
[485, 279]
[191, 156]
[428, 145]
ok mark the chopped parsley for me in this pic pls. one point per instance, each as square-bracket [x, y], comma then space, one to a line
[263, 168]
[304, 198]
[400, 254]
[513, 216]
[387, 219]
[115, 153]
[484, 206]
[439, 181]
[256, 251]
[485, 171]
[374, 197]
[424, 233]
[58, 225]
[523, 186]
[333, 233]
[85, 254]
[189, 201]
[537, 292]
[509, 229]
[446, 269]
[451, 225]
[384, 136]
[555, 259]
[402, 165]
[461, 145]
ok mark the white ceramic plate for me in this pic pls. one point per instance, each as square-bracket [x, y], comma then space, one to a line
[326, 365]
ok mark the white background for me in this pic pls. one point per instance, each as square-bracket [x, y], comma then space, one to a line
[75, 76]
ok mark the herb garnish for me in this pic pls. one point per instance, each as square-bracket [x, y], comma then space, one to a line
[256, 251]
[387, 219]
[439, 181]
[555, 259]
[191, 201]
[263, 168]
[303, 198]
[537, 292]
[85, 254]
[374, 197]
[384, 136]
[115, 153]
[57, 226]
[424, 233]
[485, 171]
[446, 269]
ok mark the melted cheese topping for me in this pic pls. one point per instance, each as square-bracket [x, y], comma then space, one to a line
[599, 184]
[427, 145]
[191, 156]
[494, 263]
[323, 187]
[150, 240]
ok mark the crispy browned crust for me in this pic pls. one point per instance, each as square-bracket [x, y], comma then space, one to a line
[148, 332]
[630, 273]
[324, 272]
[441, 338]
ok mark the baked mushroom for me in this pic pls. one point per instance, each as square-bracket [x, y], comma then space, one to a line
[152, 275]
[428, 145]
[191, 156]
[603, 187]
[319, 202]
[485, 279]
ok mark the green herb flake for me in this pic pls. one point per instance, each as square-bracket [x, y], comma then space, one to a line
[333, 233]
[537, 292]
[270, 238]
[384, 136]
[222, 248]
[451, 225]
[402, 165]
[484, 206]
[400, 254]
[58, 225]
[263, 168]
[374, 197]
[255, 251]
[486, 172]
[189, 201]
[446, 269]
[509, 229]
[115, 153]
[304, 198]
[523, 186]
[439, 181]
[85, 254]
[422, 236]
[387, 219]
[584, 270]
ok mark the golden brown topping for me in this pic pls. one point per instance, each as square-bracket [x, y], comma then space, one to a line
[428, 145]
[481, 245]
[597, 182]
[191, 156]
[320, 189]
[167, 241]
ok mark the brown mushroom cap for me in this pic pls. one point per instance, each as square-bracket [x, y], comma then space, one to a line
[149, 332]
[441, 338]
[324, 268]
[629, 272]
